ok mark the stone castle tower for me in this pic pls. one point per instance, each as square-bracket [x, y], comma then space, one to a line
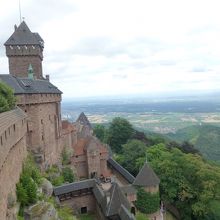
[35, 95]
[22, 49]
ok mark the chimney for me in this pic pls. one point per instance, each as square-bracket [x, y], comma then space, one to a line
[48, 77]
[15, 26]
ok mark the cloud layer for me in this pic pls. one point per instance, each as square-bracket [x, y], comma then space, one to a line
[118, 47]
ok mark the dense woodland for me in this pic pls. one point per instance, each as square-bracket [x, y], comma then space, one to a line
[188, 181]
[205, 137]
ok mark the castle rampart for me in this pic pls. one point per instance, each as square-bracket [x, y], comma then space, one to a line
[12, 153]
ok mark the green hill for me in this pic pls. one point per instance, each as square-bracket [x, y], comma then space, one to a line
[205, 138]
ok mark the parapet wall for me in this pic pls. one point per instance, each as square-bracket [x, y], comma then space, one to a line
[12, 153]
[25, 99]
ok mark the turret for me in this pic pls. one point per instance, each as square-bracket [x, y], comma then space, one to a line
[147, 179]
[22, 48]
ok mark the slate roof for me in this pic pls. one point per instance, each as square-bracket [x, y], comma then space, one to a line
[71, 187]
[100, 197]
[129, 177]
[83, 120]
[117, 198]
[125, 214]
[128, 189]
[23, 36]
[29, 86]
[146, 177]
[118, 204]
[10, 117]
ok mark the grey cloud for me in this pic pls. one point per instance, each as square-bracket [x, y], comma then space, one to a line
[136, 48]
[98, 46]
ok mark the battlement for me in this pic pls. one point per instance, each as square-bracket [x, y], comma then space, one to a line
[24, 50]
[25, 99]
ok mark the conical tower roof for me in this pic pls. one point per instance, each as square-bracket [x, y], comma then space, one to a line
[146, 177]
[23, 36]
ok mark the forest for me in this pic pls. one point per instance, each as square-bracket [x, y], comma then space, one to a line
[189, 182]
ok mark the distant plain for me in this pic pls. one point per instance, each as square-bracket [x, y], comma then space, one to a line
[155, 115]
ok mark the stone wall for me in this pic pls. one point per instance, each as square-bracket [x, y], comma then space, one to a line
[12, 154]
[26, 99]
[44, 127]
[81, 166]
[69, 136]
[21, 56]
[79, 202]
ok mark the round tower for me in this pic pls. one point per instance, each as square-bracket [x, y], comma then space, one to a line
[22, 49]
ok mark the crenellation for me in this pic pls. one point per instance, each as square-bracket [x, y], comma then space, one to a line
[24, 99]
[24, 50]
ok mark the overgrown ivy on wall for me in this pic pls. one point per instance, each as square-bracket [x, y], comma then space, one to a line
[147, 202]
[7, 98]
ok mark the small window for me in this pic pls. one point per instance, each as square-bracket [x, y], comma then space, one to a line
[14, 127]
[1, 141]
[42, 137]
[83, 210]
[42, 121]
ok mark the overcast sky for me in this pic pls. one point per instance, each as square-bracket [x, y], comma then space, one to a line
[120, 47]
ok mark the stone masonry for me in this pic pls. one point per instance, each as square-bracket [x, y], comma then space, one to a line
[12, 153]
[24, 48]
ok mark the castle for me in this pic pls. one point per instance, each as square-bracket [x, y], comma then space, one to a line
[35, 125]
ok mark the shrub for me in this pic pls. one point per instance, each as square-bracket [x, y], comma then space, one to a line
[147, 202]
[7, 98]
[68, 174]
[66, 156]
[26, 189]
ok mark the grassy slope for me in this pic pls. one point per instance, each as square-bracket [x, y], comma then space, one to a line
[206, 139]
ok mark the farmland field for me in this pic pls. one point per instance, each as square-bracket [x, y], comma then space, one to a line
[161, 117]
